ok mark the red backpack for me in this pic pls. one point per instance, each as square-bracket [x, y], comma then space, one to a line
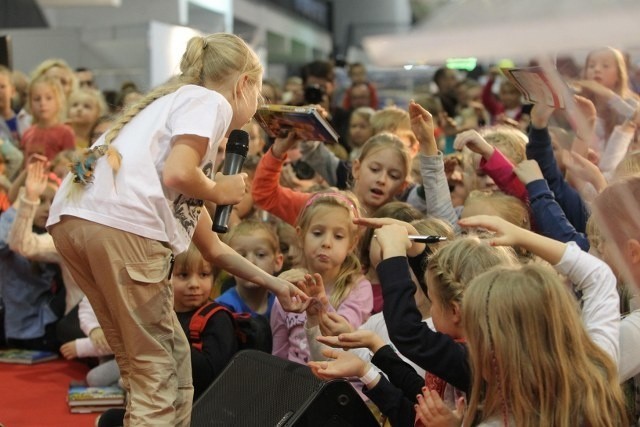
[252, 332]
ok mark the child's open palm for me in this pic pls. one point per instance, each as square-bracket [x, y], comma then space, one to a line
[36, 181]
[343, 364]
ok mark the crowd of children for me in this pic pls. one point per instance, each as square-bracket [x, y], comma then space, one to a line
[523, 313]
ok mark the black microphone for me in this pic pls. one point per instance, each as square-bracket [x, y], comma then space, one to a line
[235, 153]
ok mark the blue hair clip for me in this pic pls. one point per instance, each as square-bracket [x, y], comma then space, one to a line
[82, 169]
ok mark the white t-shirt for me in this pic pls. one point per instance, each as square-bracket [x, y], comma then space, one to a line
[135, 199]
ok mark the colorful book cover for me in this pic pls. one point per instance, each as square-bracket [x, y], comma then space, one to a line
[307, 122]
[26, 357]
[79, 395]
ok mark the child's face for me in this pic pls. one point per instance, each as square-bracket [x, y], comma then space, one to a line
[603, 68]
[358, 74]
[42, 211]
[327, 240]
[359, 130]
[6, 92]
[379, 177]
[44, 103]
[257, 248]
[245, 106]
[509, 95]
[191, 287]
[83, 110]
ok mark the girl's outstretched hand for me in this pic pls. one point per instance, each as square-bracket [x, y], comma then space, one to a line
[342, 364]
[434, 413]
[505, 233]
[361, 338]
[291, 297]
[423, 128]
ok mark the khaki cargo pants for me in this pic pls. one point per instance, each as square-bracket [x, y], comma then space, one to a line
[124, 276]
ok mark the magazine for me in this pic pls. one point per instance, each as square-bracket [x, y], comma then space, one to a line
[26, 357]
[307, 122]
[539, 86]
[80, 395]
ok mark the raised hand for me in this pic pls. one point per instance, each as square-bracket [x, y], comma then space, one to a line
[474, 142]
[423, 128]
[284, 143]
[434, 413]
[229, 189]
[343, 364]
[361, 338]
[313, 286]
[36, 181]
[528, 171]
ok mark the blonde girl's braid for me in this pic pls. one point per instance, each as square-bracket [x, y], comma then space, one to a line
[191, 67]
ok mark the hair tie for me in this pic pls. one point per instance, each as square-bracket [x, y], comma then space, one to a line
[337, 196]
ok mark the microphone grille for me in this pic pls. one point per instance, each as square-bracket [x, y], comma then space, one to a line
[238, 142]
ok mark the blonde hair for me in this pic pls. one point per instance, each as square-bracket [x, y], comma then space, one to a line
[390, 119]
[531, 358]
[93, 94]
[507, 207]
[191, 260]
[217, 59]
[350, 268]
[50, 63]
[629, 166]
[55, 86]
[510, 141]
[454, 265]
[383, 141]
[249, 227]
[364, 113]
[7, 72]
[622, 88]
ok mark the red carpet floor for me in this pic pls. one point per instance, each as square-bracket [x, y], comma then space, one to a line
[36, 395]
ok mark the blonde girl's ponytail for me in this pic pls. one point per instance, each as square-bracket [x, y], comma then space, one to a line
[191, 67]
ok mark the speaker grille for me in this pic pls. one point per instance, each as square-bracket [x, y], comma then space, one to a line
[255, 389]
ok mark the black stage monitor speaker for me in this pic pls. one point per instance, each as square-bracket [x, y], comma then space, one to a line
[6, 57]
[257, 389]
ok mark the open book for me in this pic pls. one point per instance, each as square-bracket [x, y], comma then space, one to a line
[539, 86]
[307, 122]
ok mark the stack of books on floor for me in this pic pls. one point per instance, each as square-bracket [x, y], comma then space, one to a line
[26, 357]
[84, 399]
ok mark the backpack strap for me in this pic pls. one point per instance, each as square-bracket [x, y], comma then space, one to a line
[199, 321]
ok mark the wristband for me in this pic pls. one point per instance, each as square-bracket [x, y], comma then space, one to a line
[370, 376]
